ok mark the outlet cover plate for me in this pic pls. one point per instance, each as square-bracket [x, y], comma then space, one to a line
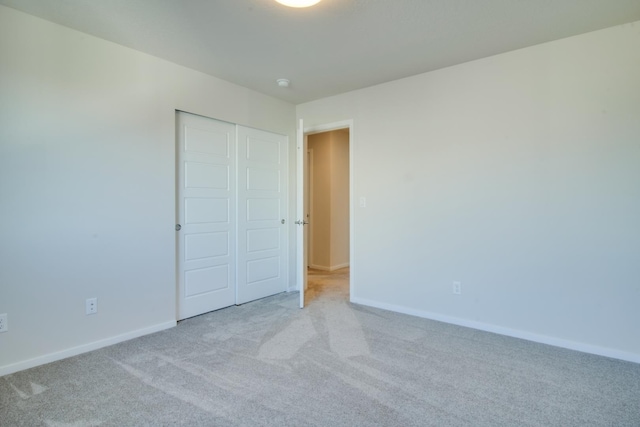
[91, 306]
[457, 288]
[4, 322]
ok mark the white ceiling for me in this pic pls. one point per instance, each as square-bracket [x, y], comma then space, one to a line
[334, 47]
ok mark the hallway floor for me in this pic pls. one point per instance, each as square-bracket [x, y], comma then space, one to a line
[327, 285]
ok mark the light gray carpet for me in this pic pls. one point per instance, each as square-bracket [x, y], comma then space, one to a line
[332, 364]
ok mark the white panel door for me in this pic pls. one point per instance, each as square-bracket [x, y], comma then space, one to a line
[206, 213]
[262, 211]
[301, 253]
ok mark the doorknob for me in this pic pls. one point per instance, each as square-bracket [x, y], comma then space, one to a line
[178, 227]
[301, 222]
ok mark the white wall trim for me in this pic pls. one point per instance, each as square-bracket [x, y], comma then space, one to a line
[345, 124]
[330, 268]
[85, 348]
[543, 339]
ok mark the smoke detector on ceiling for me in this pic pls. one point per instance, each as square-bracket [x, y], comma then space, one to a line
[283, 82]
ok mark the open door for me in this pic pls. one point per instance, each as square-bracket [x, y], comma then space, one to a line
[301, 265]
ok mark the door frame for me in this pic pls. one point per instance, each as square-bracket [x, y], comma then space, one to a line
[327, 127]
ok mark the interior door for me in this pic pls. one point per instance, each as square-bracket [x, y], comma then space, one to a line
[301, 262]
[262, 213]
[206, 214]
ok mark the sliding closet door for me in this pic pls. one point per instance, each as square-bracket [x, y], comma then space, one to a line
[262, 209]
[206, 214]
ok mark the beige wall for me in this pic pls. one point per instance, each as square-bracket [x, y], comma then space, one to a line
[339, 198]
[320, 215]
[329, 227]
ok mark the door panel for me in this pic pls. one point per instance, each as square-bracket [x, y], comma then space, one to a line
[206, 280]
[263, 239]
[301, 261]
[263, 210]
[206, 211]
[206, 245]
[262, 196]
[205, 175]
[263, 269]
[263, 179]
[207, 142]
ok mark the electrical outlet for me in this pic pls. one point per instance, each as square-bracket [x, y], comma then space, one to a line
[92, 305]
[457, 288]
[4, 322]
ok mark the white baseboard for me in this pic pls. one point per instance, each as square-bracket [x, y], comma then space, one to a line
[543, 339]
[331, 268]
[85, 348]
[339, 266]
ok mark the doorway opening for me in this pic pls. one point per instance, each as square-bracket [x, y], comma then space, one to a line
[328, 212]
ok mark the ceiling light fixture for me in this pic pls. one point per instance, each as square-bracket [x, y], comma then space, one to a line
[298, 3]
